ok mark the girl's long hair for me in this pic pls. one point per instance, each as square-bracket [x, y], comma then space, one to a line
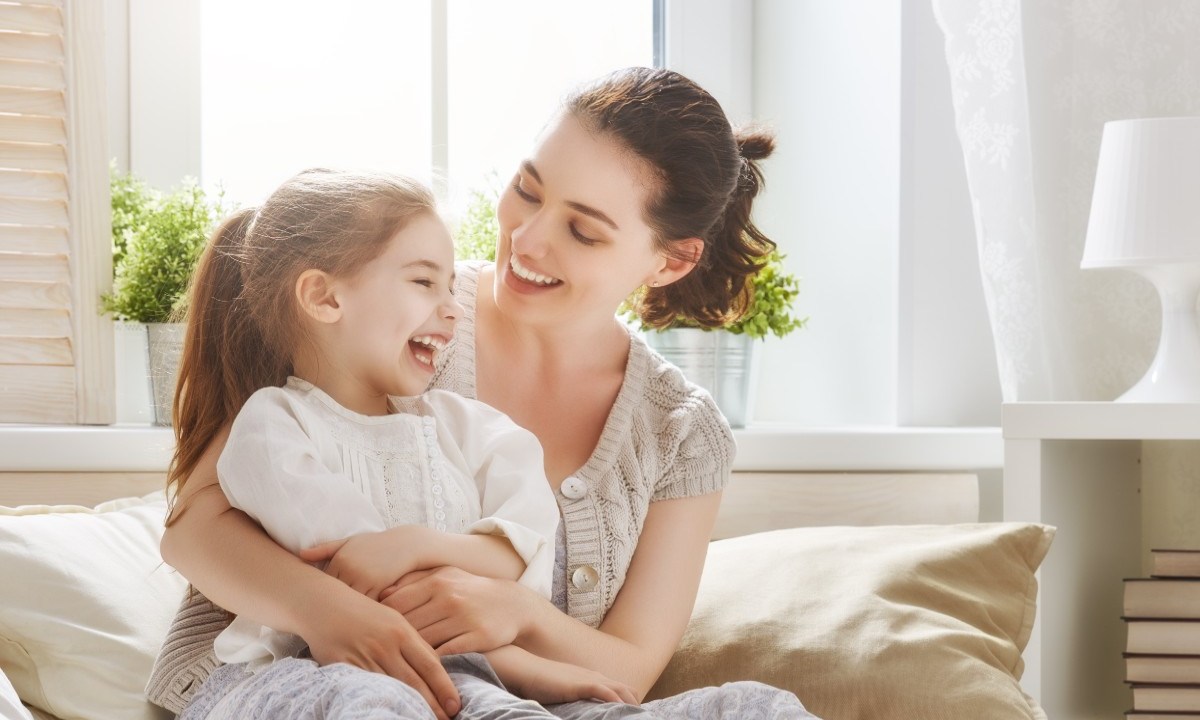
[243, 321]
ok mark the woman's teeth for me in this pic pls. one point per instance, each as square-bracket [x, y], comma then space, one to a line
[530, 276]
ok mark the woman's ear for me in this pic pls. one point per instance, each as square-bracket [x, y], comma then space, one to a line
[314, 292]
[682, 260]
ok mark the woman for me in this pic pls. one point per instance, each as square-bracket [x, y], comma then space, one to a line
[639, 182]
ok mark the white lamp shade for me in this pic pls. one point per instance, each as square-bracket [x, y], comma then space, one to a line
[1146, 201]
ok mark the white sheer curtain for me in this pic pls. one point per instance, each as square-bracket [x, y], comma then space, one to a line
[1033, 84]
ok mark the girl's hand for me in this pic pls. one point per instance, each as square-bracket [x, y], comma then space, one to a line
[457, 612]
[370, 562]
[372, 637]
[547, 681]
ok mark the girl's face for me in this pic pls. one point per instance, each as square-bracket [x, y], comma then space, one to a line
[397, 312]
[573, 243]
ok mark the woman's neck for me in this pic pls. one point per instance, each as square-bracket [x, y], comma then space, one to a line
[586, 344]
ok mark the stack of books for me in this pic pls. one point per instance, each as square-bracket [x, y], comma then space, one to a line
[1162, 658]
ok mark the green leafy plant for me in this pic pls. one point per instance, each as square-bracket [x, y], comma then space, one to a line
[132, 199]
[157, 240]
[773, 294]
[477, 233]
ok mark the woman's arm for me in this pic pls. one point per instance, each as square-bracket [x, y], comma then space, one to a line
[457, 612]
[234, 563]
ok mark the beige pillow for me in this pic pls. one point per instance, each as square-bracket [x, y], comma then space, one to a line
[923, 622]
[84, 605]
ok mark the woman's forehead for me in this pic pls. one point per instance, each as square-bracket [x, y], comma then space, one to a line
[592, 168]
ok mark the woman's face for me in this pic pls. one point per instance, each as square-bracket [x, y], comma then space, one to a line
[573, 242]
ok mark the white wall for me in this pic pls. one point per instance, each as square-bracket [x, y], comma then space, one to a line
[827, 77]
[867, 196]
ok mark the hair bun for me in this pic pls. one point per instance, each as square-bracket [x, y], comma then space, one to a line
[754, 143]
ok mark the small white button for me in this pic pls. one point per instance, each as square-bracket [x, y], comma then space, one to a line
[585, 577]
[573, 488]
[436, 490]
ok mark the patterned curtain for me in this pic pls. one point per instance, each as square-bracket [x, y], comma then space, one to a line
[1033, 83]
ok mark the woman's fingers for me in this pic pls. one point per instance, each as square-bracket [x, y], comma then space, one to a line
[456, 644]
[407, 598]
[433, 682]
[627, 695]
[603, 693]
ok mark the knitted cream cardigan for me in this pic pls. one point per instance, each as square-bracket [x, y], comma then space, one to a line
[663, 439]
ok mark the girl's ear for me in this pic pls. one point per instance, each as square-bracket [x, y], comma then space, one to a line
[679, 263]
[314, 292]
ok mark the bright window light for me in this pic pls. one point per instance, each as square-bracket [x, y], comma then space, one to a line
[348, 84]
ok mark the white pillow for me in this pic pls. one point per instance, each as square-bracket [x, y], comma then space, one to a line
[84, 605]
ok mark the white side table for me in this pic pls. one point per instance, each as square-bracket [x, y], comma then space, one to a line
[1076, 465]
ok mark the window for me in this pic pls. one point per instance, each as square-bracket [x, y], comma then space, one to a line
[358, 84]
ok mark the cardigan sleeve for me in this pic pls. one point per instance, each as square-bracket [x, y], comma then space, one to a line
[696, 448]
[505, 460]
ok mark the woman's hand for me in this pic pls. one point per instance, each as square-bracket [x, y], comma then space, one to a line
[457, 612]
[547, 681]
[375, 638]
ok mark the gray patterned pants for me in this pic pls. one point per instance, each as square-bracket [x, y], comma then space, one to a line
[299, 689]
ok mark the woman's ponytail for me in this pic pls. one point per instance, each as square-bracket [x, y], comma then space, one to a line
[707, 178]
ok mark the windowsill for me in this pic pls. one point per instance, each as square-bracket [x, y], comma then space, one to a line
[761, 447]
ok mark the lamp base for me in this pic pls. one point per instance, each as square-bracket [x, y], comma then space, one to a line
[1174, 376]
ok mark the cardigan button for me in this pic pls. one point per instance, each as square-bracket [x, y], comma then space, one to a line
[585, 577]
[573, 488]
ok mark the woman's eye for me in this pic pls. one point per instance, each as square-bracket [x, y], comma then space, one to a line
[581, 237]
[516, 186]
[424, 281]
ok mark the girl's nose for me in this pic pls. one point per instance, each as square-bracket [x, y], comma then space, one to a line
[452, 309]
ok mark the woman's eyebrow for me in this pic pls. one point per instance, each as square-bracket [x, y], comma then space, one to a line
[588, 210]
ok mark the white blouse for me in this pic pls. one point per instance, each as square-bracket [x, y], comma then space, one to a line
[310, 471]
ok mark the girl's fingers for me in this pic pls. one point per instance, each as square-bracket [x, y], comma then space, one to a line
[627, 695]
[424, 616]
[324, 551]
[413, 577]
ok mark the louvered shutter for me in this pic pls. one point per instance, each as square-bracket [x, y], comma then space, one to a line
[55, 243]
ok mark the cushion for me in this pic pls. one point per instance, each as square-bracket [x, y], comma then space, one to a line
[84, 605]
[879, 623]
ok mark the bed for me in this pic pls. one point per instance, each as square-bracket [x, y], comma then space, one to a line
[870, 595]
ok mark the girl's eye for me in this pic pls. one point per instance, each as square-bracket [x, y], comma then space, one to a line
[581, 237]
[516, 186]
[424, 281]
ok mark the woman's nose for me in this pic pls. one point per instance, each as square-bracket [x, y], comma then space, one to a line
[529, 238]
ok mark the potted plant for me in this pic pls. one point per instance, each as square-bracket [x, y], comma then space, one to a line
[722, 360]
[157, 239]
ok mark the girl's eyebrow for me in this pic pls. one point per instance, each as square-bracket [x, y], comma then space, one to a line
[588, 210]
[424, 263]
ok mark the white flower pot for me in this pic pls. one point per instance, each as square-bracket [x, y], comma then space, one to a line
[133, 373]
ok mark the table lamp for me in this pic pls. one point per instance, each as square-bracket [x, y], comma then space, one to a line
[1146, 218]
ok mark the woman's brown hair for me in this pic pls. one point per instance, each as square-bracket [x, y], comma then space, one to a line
[243, 321]
[707, 176]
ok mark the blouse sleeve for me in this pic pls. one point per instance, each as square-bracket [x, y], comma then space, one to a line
[506, 462]
[271, 469]
[696, 447]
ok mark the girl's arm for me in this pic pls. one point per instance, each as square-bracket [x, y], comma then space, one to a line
[233, 562]
[457, 612]
[370, 562]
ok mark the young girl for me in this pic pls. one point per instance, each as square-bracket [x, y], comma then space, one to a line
[318, 317]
